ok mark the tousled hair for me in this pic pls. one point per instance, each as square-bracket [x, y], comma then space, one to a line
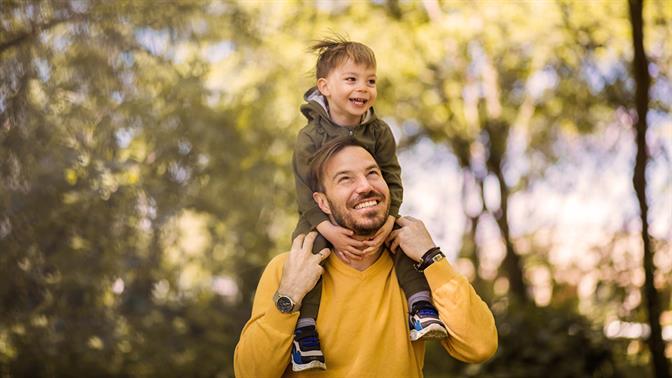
[335, 50]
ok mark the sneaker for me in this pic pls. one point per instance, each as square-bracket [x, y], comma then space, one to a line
[306, 351]
[424, 322]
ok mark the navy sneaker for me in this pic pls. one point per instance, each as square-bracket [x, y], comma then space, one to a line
[424, 322]
[306, 351]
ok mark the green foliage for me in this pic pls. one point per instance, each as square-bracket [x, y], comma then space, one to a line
[540, 342]
[145, 160]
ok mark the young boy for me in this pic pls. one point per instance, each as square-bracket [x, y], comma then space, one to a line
[341, 105]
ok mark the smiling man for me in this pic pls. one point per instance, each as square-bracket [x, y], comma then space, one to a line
[363, 310]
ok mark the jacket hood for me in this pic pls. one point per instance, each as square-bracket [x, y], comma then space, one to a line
[316, 106]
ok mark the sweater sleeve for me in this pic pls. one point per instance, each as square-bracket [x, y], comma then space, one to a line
[308, 209]
[265, 342]
[386, 156]
[471, 325]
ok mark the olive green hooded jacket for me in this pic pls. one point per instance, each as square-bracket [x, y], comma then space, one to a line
[372, 132]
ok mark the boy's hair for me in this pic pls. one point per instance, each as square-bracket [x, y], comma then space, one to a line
[335, 50]
[323, 154]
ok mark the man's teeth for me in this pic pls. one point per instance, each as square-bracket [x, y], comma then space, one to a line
[366, 204]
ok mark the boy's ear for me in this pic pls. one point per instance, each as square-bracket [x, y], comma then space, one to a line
[322, 86]
[321, 200]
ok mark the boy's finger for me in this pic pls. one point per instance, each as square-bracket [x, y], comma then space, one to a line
[353, 256]
[344, 257]
[370, 243]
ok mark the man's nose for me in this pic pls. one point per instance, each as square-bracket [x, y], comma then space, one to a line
[363, 185]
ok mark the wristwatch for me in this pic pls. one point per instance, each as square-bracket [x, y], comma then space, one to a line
[429, 258]
[284, 303]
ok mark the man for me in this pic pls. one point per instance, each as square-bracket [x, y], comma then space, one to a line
[362, 318]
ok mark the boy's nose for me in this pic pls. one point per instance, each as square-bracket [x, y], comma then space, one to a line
[361, 86]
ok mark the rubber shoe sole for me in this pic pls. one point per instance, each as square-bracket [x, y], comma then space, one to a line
[432, 331]
[315, 364]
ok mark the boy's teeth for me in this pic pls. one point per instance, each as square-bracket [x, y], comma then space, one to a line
[365, 204]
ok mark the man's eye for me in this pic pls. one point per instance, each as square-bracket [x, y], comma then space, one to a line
[375, 173]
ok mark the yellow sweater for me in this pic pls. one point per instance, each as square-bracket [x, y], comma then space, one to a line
[363, 323]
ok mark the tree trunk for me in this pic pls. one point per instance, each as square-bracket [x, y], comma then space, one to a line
[642, 79]
[512, 263]
[497, 132]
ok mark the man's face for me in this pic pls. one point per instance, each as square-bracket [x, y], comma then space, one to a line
[355, 193]
[351, 90]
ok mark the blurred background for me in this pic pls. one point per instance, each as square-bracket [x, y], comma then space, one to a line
[145, 175]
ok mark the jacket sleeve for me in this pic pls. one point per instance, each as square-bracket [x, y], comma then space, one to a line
[386, 156]
[471, 325]
[265, 342]
[308, 209]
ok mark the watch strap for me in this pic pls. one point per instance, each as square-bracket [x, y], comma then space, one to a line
[430, 257]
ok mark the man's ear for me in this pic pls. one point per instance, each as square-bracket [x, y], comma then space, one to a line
[321, 200]
[322, 86]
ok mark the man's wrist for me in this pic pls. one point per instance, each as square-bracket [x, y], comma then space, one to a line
[285, 303]
[433, 255]
[290, 291]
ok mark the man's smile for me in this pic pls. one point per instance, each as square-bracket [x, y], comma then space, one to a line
[366, 204]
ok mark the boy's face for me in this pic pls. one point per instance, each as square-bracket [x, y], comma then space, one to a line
[351, 90]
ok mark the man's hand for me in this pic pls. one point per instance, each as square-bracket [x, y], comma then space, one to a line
[345, 246]
[412, 237]
[379, 238]
[302, 269]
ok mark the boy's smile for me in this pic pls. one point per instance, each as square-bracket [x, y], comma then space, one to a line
[350, 89]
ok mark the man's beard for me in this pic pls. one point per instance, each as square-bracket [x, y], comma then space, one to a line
[345, 219]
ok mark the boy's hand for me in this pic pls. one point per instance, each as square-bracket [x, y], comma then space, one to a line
[341, 238]
[380, 236]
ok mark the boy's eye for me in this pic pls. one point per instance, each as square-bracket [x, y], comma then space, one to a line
[349, 79]
[372, 81]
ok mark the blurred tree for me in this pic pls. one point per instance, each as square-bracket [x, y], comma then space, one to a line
[641, 73]
[108, 136]
[145, 154]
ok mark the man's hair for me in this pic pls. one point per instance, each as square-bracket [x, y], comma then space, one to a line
[320, 158]
[333, 51]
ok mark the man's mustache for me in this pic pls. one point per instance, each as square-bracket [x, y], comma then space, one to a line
[370, 195]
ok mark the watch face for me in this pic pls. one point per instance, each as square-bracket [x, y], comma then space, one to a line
[284, 304]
